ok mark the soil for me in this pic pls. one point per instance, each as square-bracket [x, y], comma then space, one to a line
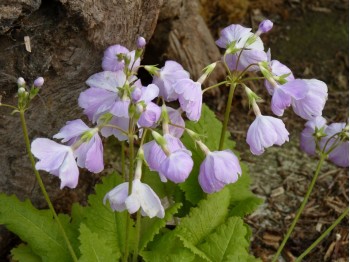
[310, 37]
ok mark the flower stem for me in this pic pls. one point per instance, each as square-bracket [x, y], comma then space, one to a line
[213, 86]
[227, 115]
[131, 174]
[123, 160]
[137, 240]
[42, 187]
[318, 240]
[9, 106]
[323, 156]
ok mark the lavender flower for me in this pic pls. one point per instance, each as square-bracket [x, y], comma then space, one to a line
[190, 98]
[142, 196]
[150, 116]
[122, 123]
[264, 132]
[218, 169]
[283, 95]
[314, 101]
[278, 69]
[141, 42]
[167, 77]
[340, 154]
[313, 128]
[103, 94]
[112, 62]
[241, 44]
[177, 166]
[154, 154]
[175, 118]
[56, 159]
[89, 153]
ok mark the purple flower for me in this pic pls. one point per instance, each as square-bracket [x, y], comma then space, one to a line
[339, 155]
[103, 94]
[314, 101]
[141, 42]
[122, 123]
[167, 77]
[112, 62]
[190, 98]
[264, 132]
[121, 108]
[39, 82]
[142, 196]
[283, 95]
[56, 159]
[278, 69]
[89, 153]
[264, 27]
[155, 155]
[176, 119]
[242, 44]
[177, 166]
[150, 116]
[307, 138]
[218, 169]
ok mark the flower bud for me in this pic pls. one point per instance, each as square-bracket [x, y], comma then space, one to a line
[264, 27]
[21, 81]
[141, 42]
[39, 82]
[21, 90]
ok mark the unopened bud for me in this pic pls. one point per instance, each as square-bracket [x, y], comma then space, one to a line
[141, 42]
[264, 27]
[21, 90]
[21, 81]
[39, 82]
[140, 108]
[153, 70]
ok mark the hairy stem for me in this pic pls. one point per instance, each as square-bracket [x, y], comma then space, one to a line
[42, 187]
[309, 190]
[227, 115]
[325, 233]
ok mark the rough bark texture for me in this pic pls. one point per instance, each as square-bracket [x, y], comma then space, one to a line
[183, 36]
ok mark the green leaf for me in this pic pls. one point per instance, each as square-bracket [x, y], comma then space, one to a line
[228, 242]
[194, 249]
[151, 226]
[246, 206]
[93, 248]
[209, 128]
[37, 228]
[168, 248]
[101, 219]
[203, 219]
[24, 253]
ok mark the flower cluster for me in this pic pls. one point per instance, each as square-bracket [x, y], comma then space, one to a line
[119, 105]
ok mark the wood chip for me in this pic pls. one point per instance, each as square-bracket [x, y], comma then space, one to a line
[27, 44]
[276, 192]
[319, 227]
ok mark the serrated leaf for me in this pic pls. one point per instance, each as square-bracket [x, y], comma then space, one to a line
[194, 249]
[228, 242]
[151, 227]
[93, 248]
[167, 248]
[24, 253]
[246, 206]
[107, 224]
[37, 228]
[203, 219]
[209, 128]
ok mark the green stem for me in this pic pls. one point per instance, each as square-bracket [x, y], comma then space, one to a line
[252, 78]
[131, 174]
[9, 106]
[137, 240]
[318, 240]
[42, 187]
[227, 115]
[323, 156]
[213, 86]
[123, 160]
